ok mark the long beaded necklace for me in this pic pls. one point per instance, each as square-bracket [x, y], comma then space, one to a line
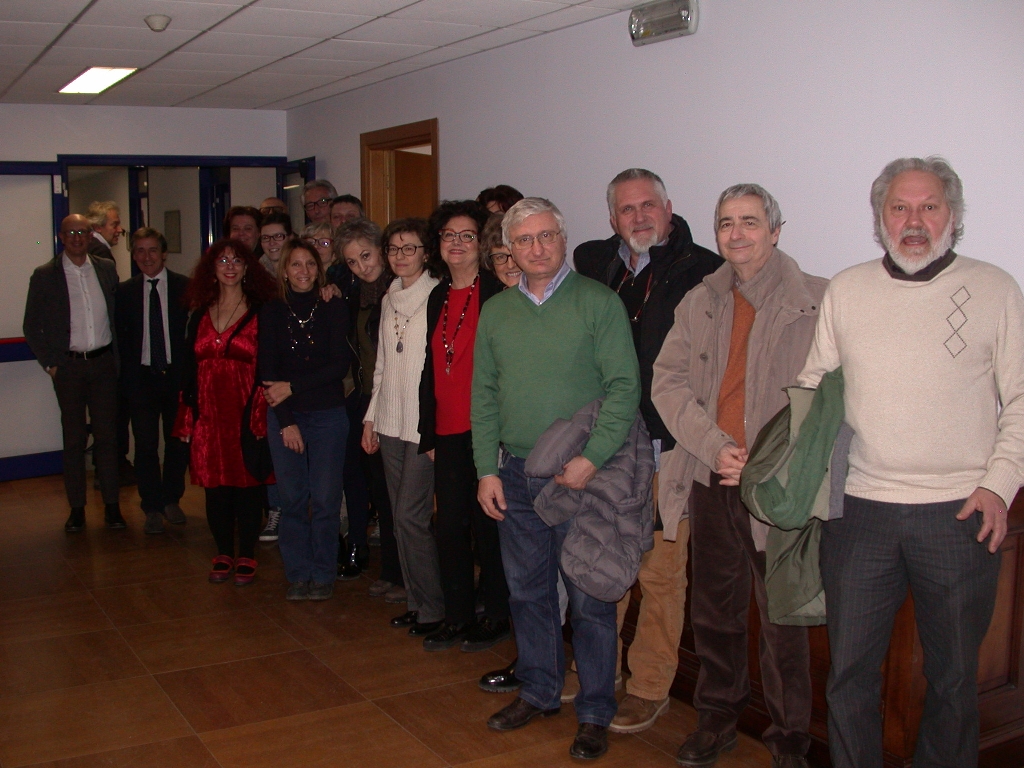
[400, 333]
[306, 333]
[449, 348]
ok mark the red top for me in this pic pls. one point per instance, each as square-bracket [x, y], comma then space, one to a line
[452, 389]
[225, 375]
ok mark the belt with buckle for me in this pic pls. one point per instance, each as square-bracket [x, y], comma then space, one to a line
[90, 354]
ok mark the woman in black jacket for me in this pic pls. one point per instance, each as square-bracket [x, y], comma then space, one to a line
[303, 358]
[453, 311]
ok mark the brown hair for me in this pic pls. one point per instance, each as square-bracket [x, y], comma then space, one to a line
[289, 248]
[203, 289]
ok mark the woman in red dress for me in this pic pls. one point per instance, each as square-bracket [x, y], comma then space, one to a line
[227, 288]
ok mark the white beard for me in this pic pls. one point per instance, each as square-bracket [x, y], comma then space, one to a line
[911, 264]
[642, 242]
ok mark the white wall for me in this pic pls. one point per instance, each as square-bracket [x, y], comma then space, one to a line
[809, 99]
[177, 189]
[42, 131]
[251, 186]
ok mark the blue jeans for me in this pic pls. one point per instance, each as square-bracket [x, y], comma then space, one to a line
[530, 552]
[310, 485]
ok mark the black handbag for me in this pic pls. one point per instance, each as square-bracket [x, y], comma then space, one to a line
[255, 450]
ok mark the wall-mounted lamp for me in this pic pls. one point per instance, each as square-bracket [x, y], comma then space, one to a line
[662, 20]
[157, 22]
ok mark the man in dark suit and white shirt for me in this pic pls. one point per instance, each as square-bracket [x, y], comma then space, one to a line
[151, 322]
[68, 326]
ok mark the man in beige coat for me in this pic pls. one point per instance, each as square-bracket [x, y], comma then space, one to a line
[738, 339]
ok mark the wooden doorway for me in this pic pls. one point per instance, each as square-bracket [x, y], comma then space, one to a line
[399, 171]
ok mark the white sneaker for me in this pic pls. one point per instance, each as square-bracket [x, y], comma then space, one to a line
[273, 518]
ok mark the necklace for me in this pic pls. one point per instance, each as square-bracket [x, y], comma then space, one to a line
[400, 334]
[449, 347]
[306, 333]
[227, 324]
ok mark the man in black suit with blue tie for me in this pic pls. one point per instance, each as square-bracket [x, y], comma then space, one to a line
[151, 320]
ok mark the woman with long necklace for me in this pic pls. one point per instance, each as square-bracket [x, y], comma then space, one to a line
[227, 288]
[453, 309]
[304, 355]
[392, 419]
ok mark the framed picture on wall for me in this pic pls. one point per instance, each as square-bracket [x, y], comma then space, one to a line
[172, 231]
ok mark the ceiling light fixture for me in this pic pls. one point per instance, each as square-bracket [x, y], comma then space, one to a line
[662, 20]
[157, 22]
[97, 79]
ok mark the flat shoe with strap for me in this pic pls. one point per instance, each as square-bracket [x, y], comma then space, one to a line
[221, 572]
[246, 578]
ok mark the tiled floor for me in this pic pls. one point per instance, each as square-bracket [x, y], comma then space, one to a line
[115, 651]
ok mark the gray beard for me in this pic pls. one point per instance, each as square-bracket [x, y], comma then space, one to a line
[912, 265]
[639, 246]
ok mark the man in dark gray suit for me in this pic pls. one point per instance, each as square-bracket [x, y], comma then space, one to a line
[68, 325]
[105, 219]
[150, 322]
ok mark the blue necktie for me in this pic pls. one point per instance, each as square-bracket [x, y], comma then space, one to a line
[157, 345]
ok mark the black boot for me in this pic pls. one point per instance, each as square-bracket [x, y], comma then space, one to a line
[348, 562]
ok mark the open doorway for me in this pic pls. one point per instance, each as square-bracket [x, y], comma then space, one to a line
[399, 171]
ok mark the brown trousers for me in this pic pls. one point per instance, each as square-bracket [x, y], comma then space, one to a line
[725, 565]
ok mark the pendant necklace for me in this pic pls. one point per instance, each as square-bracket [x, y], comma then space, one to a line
[449, 347]
[400, 333]
[307, 333]
[227, 325]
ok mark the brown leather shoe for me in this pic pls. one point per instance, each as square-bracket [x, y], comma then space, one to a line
[517, 714]
[701, 748]
[590, 743]
[637, 714]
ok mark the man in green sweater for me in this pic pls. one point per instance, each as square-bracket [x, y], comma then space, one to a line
[542, 352]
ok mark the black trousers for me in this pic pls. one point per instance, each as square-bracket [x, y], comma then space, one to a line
[156, 401]
[725, 564]
[460, 521]
[228, 506]
[357, 488]
[81, 386]
[869, 558]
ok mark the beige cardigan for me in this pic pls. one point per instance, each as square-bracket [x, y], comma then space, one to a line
[692, 361]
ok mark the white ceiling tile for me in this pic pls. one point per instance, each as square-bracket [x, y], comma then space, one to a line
[28, 32]
[255, 20]
[45, 79]
[496, 38]
[60, 11]
[131, 92]
[83, 36]
[360, 50]
[566, 17]
[618, 5]
[409, 31]
[7, 74]
[223, 102]
[265, 45]
[485, 13]
[40, 96]
[358, 7]
[185, 16]
[206, 78]
[275, 84]
[441, 55]
[19, 54]
[99, 57]
[296, 66]
[221, 62]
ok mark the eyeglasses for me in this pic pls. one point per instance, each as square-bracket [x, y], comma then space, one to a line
[76, 232]
[545, 238]
[323, 202]
[500, 257]
[272, 209]
[322, 243]
[224, 261]
[277, 237]
[450, 236]
[408, 249]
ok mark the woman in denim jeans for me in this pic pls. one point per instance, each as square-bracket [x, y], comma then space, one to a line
[304, 355]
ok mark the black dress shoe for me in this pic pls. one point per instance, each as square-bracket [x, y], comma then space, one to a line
[174, 514]
[76, 520]
[517, 714]
[112, 516]
[424, 628]
[485, 634]
[701, 748]
[445, 637]
[407, 619]
[501, 680]
[591, 741]
[362, 555]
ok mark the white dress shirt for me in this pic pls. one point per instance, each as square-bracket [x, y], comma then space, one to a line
[90, 325]
[161, 289]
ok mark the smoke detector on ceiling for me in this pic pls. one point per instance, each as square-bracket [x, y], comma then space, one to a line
[157, 22]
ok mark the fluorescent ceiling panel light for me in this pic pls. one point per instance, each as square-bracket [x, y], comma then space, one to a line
[97, 79]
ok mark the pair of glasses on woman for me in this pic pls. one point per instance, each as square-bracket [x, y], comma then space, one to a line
[500, 258]
[450, 236]
[408, 249]
[277, 237]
